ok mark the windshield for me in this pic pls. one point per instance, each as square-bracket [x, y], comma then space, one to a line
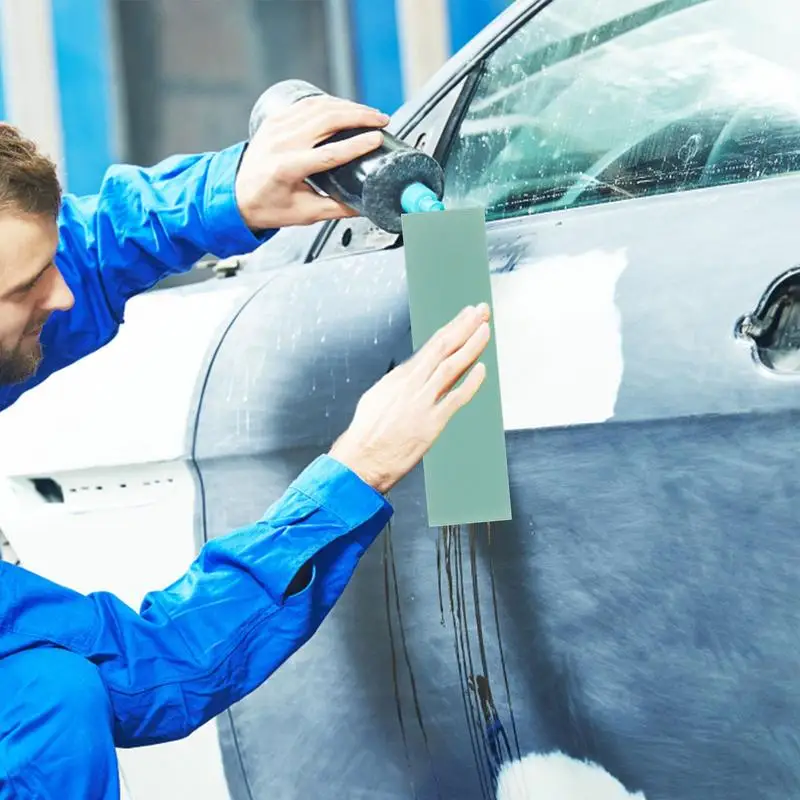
[591, 101]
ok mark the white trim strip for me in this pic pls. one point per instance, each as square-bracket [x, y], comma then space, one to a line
[29, 72]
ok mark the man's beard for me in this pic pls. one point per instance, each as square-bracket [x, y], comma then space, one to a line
[17, 365]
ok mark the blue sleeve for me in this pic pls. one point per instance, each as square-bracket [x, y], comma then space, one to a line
[144, 224]
[225, 626]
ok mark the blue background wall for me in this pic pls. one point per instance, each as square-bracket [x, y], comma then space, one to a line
[377, 55]
[83, 59]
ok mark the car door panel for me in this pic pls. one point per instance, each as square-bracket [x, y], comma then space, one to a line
[644, 590]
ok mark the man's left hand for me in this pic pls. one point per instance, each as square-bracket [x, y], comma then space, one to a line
[270, 186]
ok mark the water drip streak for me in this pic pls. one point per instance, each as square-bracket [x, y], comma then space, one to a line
[500, 640]
[476, 600]
[462, 595]
[439, 573]
[448, 543]
[490, 712]
[407, 659]
[395, 682]
[474, 714]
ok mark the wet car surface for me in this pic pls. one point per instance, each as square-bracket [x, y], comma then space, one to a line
[639, 167]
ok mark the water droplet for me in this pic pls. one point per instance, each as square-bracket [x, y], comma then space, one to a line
[322, 339]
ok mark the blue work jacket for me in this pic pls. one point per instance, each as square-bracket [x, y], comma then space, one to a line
[222, 628]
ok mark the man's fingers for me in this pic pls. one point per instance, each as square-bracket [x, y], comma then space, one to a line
[314, 207]
[301, 164]
[321, 103]
[449, 338]
[451, 370]
[346, 117]
[307, 110]
[462, 394]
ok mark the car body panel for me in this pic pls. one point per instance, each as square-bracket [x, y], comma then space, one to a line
[643, 588]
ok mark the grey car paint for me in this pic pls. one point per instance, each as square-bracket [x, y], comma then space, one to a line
[642, 609]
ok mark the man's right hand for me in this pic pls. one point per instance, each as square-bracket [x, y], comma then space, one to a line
[397, 421]
[271, 191]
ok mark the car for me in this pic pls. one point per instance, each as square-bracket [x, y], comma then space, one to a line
[639, 163]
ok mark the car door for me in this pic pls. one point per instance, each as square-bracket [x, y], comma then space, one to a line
[640, 169]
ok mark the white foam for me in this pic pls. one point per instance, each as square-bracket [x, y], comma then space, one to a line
[554, 776]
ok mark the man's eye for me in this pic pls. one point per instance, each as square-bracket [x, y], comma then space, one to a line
[31, 284]
[23, 290]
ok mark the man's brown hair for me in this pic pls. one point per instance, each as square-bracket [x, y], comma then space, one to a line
[28, 179]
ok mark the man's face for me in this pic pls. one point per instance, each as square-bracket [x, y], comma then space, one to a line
[31, 288]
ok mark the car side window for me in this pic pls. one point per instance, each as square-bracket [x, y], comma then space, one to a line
[359, 235]
[594, 102]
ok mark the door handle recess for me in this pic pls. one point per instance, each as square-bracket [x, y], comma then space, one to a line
[773, 327]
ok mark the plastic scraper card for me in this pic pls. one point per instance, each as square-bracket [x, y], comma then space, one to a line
[447, 268]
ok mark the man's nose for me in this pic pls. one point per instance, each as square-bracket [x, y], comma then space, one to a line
[59, 296]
